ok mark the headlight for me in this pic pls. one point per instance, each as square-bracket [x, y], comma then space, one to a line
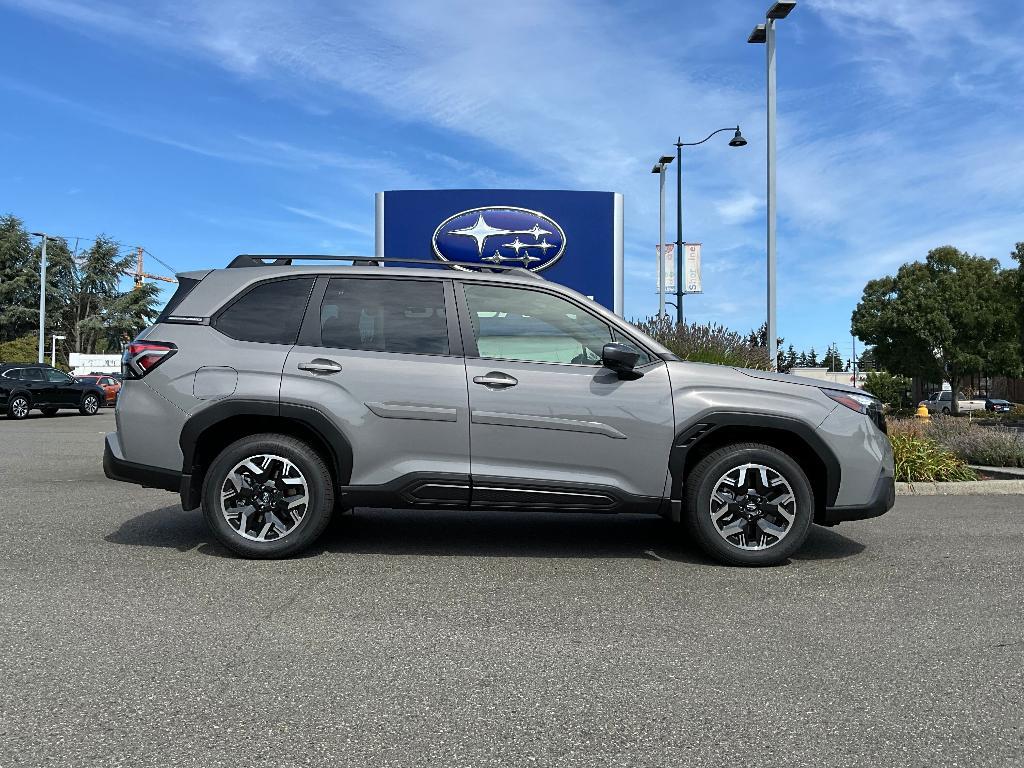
[855, 402]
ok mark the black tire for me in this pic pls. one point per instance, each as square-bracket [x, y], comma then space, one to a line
[946, 412]
[319, 490]
[49, 410]
[90, 404]
[697, 514]
[18, 407]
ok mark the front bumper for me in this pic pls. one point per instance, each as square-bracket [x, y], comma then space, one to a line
[116, 467]
[882, 500]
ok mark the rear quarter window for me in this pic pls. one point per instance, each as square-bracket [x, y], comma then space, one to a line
[269, 312]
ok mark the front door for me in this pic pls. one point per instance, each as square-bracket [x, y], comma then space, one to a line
[550, 426]
[375, 356]
[64, 390]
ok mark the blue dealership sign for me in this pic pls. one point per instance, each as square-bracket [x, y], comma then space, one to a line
[574, 238]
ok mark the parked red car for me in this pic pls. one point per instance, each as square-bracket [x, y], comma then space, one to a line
[104, 381]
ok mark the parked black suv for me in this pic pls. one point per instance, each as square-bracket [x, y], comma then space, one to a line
[25, 386]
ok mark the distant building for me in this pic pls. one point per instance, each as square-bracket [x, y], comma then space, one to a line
[836, 377]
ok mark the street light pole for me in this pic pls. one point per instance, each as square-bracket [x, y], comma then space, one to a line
[53, 349]
[736, 141]
[679, 230]
[769, 29]
[659, 168]
[42, 299]
[765, 33]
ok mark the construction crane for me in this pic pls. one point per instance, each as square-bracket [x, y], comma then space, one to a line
[140, 274]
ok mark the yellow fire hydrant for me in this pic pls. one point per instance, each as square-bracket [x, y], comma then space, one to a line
[922, 412]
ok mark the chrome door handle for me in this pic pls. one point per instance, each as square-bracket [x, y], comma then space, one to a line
[497, 380]
[320, 366]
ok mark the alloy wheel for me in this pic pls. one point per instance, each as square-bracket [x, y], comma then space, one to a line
[264, 497]
[20, 407]
[91, 404]
[753, 507]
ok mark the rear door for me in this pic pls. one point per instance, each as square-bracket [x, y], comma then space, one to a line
[41, 390]
[381, 358]
[550, 426]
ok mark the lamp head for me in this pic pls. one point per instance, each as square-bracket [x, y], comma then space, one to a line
[758, 35]
[737, 140]
[781, 9]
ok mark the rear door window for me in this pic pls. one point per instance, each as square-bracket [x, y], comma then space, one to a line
[270, 312]
[32, 374]
[384, 316]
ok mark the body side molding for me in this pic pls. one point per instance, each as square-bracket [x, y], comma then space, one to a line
[413, 411]
[545, 422]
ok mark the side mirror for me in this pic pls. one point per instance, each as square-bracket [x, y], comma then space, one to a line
[621, 359]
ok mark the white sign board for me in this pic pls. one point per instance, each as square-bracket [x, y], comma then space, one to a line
[670, 266]
[693, 283]
[99, 363]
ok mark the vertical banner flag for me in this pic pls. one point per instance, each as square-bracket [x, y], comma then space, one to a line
[693, 283]
[670, 266]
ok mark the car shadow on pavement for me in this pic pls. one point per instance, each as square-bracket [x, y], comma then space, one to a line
[471, 534]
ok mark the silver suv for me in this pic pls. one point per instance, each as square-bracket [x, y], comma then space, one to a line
[271, 394]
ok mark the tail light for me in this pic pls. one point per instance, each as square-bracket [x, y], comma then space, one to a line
[141, 357]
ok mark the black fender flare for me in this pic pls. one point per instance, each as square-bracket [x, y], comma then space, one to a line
[307, 416]
[705, 424]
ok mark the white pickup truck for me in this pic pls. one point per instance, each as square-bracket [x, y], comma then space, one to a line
[942, 402]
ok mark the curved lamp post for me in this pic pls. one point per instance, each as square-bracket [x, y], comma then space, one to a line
[736, 141]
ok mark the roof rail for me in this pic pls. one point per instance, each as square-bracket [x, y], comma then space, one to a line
[286, 259]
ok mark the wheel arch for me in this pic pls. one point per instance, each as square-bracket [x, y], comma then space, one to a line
[212, 429]
[713, 430]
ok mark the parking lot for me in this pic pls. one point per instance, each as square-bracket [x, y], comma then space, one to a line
[127, 637]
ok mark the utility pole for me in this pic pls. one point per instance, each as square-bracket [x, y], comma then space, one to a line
[853, 341]
[42, 299]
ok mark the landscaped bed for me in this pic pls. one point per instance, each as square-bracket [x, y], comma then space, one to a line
[940, 449]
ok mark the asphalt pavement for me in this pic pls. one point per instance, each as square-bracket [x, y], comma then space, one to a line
[129, 638]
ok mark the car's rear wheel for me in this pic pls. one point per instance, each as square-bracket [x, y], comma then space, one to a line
[946, 412]
[49, 411]
[90, 404]
[749, 504]
[267, 496]
[18, 407]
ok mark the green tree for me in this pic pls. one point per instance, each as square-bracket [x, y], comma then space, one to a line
[812, 358]
[790, 359]
[887, 388]
[949, 316]
[833, 360]
[19, 303]
[866, 361]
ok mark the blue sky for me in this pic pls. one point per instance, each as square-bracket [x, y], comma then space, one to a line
[204, 129]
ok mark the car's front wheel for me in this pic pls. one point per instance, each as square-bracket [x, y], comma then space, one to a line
[90, 405]
[749, 504]
[267, 496]
[18, 407]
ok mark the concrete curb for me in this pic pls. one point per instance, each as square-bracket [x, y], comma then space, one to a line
[999, 473]
[966, 488]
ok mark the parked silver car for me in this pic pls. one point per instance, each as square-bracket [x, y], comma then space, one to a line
[272, 394]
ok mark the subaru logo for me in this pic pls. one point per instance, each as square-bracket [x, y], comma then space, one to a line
[500, 235]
